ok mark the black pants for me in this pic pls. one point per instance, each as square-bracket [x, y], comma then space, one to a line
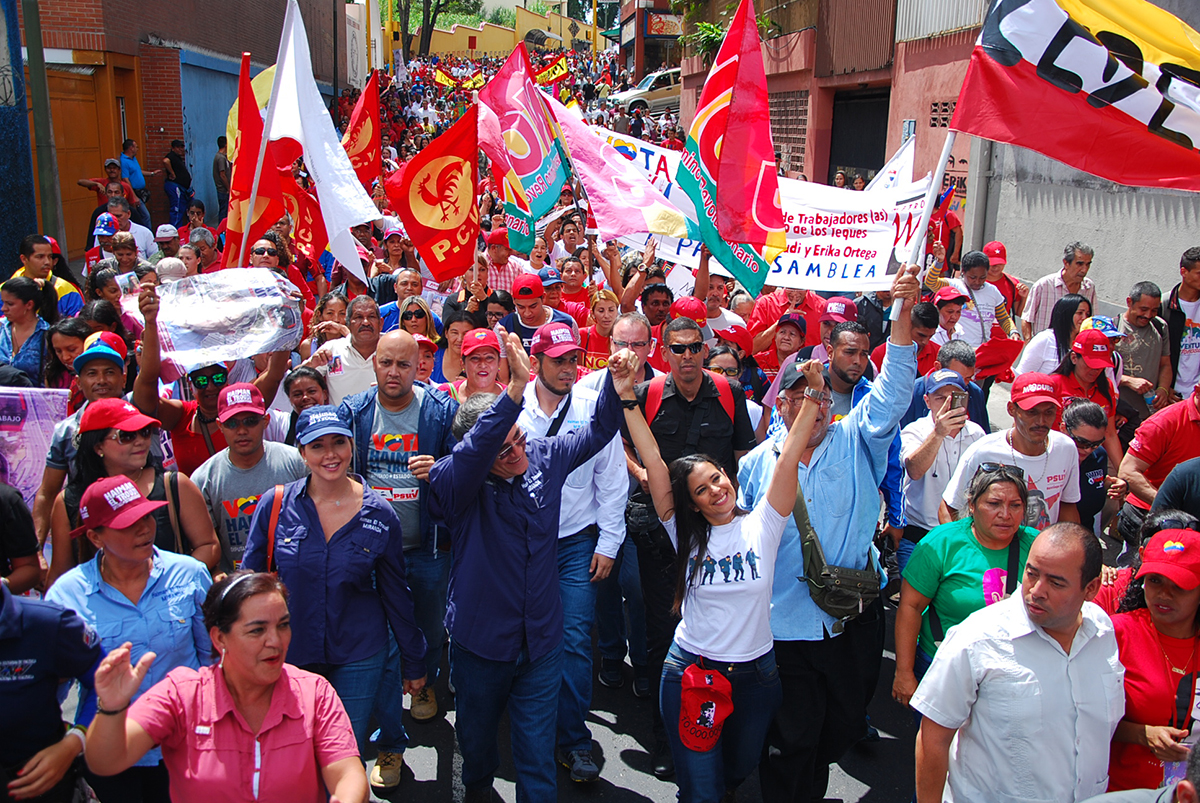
[656, 566]
[134, 785]
[826, 687]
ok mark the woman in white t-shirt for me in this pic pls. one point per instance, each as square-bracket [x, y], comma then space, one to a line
[1046, 349]
[724, 573]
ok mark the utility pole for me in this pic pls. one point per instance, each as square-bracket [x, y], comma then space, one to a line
[43, 128]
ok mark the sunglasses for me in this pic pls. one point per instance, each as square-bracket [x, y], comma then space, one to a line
[692, 348]
[412, 313]
[631, 344]
[1014, 472]
[730, 372]
[260, 251]
[518, 443]
[247, 421]
[126, 438]
[1084, 443]
[202, 381]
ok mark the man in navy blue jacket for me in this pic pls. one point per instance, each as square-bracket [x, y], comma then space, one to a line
[500, 494]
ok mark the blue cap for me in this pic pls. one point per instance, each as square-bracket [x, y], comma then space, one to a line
[106, 225]
[550, 276]
[936, 380]
[97, 351]
[1102, 323]
[320, 420]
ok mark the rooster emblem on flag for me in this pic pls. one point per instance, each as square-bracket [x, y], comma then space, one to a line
[444, 195]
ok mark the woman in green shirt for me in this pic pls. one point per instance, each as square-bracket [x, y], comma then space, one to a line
[960, 567]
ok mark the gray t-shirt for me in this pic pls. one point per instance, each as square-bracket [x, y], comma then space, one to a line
[393, 441]
[1142, 349]
[232, 493]
[842, 402]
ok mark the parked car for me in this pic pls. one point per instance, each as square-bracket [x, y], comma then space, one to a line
[656, 93]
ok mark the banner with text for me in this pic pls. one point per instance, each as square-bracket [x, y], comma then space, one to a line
[27, 419]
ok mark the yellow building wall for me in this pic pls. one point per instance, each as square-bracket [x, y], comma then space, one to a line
[489, 40]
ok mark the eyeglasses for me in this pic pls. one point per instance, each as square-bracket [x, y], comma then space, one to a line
[826, 399]
[1084, 443]
[693, 348]
[1013, 472]
[518, 443]
[496, 315]
[1176, 524]
[730, 372]
[260, 251]
[126, 438]
[217, 379]
[247, 421]
[412, 313]
[631, 344]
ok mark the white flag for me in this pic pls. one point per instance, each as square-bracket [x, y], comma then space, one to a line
[299, 113]
[897, 171]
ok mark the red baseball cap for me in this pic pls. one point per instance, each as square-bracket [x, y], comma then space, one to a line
[950, 294]
[240, 397]
[528, 285]
[739, 336]
[112, 502]
[839, 309]
[705, 702]
[364, 254]
[497, 236]
[1031, 389]
[1093, 346]
[996, 253]
[424, 342]
[690, 307]
[114, 414]
[1175, 554]
[477, 339]
[555, 340]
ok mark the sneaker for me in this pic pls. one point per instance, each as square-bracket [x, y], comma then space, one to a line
[424, 705]
[641, 681]
[583, 768]
[610, 673]
[386, 772]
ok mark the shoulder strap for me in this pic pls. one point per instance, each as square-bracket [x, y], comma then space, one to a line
[171, 486]
[1011, 581]
[724, 393]
[654, 395]
[559, 419]
[203, 427]
[276, 504]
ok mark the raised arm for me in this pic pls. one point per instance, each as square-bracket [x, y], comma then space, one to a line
[115, 742]
[657, 476]
[632, 290]
[700, 289]
[781, 493]
[145, 386]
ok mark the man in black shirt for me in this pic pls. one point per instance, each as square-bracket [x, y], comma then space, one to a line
[178, 184]
[19, 568]
[687, 411]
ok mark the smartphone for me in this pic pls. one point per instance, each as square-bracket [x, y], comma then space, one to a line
[958, 399]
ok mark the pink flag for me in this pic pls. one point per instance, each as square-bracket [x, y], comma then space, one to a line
[621, 198]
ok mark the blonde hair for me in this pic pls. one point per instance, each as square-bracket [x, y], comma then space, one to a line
[604, 294]
[430, 328]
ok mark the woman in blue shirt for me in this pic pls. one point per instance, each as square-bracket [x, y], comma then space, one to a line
[336, 544]
[28, 308]
[135, 595]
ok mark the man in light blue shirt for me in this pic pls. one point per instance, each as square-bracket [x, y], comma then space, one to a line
[131, 171]
[828, 677]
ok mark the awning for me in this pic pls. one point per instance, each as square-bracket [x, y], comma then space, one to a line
[612, 33]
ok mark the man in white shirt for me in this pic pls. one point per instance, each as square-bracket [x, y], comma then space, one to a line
[930, 449]
[348, 363]
[119, 208]
[1047, 457]
[591, 529]
[1023, 697]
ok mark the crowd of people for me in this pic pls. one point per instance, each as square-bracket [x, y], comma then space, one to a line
[248, 565]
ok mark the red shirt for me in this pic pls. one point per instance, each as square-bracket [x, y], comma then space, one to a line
[1069, 389]
[190, 448]
[926, 357]
[102, 196]
[92, 257]
[580, 296]
[1151, 690]
[672, 145]
[769, 308]
[657, 358]
[1109, 597]
[1008, 289]
[1164, 440]
[595, 349]
[577, 311]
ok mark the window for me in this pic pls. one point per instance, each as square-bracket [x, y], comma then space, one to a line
[789, 128]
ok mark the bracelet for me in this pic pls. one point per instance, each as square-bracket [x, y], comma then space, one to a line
[629, 404]
[114, 712]
[79, 733]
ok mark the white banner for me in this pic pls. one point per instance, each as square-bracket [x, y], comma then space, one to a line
[898, 170]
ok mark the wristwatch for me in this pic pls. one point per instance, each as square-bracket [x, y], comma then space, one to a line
[814, 394]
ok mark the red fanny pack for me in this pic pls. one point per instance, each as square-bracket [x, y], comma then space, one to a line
[705, 703]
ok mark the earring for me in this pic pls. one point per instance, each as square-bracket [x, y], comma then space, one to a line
[102, 455]
[221, 665]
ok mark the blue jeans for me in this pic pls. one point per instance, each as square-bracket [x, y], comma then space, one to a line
[579, 609]
[178, 199]
[484, 689]
[704, 777]
[624, 581]
[428, 576]
[355, 684]
[904, 553]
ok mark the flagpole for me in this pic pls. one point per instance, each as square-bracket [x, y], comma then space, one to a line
[262, 147]
[931, 194]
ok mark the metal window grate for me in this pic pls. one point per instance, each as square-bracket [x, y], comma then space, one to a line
[789, 128]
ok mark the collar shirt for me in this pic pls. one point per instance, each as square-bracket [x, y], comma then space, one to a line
[347, 372]
[922, 497]
[501, 277]
[1034, 722]
[346, 590]
[504, 593]
[593, 493]
[841, 489]
[167, 619]
[1046, 291]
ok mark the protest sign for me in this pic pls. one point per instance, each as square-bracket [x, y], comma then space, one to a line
[27, 419]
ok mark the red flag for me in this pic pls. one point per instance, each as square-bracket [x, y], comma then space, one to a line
[435, 197]
[268, 204]
[308, 227]
[362, 138]
[1108, 88]
[748, 209]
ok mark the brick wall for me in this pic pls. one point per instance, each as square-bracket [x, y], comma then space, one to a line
[71, 24]
[163, 118]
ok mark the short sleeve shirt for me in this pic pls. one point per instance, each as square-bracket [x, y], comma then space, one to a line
[1164, 440]
[17, 536]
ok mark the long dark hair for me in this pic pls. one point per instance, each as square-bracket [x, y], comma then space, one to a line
[52, 369]
[105, 313]
[692, 530]
[43, 296]
[1166, 519]
[1062, 321]
[97, 280]
[1066, 367]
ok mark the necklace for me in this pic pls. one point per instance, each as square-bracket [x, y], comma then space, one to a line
[1175, 670]
[1029, 474]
